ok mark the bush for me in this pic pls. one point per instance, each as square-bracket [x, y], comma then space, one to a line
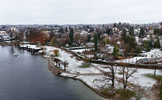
[85, 65]
[74, 77]
[125, 94]
[56, 52]
[107, 92]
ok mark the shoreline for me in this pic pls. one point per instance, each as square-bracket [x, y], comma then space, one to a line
[66, 74]
[57, 72]
[74, 76]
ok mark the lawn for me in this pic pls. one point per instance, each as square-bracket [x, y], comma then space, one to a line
[157, 77]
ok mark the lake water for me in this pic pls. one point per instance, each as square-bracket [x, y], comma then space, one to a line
[27, 77]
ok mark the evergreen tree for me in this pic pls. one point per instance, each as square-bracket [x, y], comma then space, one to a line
[124, 36]
[131, 32]
[157, 44]
[61, 30]
[99, 34]
[108, 31]
[115, 51]
[156, 31]
[115, 25]
[95, 42]
[151, 44]
[119, 23]
[142, 33]
[66, 30]
[71, 35]
[127, 38]
[132, 43]
[160, 31]
[147, 47]
[89, 38]
[91, 30]
[138, 49]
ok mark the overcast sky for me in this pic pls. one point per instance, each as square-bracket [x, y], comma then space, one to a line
[79, 11]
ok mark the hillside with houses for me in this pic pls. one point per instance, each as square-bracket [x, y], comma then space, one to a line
[129, 40]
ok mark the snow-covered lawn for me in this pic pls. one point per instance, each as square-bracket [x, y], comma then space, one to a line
[140, 79]
[137, 78]
[74, 64]
[80, 50]
[98, 81]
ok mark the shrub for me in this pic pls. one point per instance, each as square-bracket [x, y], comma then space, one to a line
[125, 94]
[107, 92]
[56, 52]
[85, 65]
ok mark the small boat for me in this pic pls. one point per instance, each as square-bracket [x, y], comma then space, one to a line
[16, 54]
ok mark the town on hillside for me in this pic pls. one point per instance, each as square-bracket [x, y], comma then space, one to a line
[120, 55]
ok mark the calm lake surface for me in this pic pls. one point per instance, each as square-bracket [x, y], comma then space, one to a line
[27, 77]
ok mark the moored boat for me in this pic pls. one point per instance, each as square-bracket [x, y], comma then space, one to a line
[16, 54]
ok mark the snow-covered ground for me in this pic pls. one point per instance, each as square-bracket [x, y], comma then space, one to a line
[137, 78]
[80, 50]
[131, 60]
[68, 75]
[142, 80]
[73, 67]
[98, 81]
[74, 64]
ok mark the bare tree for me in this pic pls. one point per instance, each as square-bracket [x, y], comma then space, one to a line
[65, 64]
[20, 35]
[77, 38]
[112, 75]
[155, 65]
[126, 72]
[56, 60]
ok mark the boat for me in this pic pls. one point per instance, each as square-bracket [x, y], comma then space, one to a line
[16, 54]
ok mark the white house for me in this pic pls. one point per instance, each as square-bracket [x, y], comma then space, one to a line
[109, 48]
[136, 31]
[6, 38]
[155, 53]
[2, 33]
[115, 29]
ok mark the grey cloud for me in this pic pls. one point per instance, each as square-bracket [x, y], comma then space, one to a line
[79, 11]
